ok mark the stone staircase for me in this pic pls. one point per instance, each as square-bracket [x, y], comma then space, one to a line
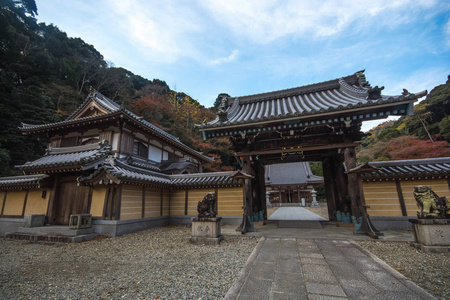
[300, 224]
[52, 234]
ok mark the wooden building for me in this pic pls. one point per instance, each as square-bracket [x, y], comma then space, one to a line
[317, 122]
[388, 188]
[106, 161]
[290, 182]
[131, 175]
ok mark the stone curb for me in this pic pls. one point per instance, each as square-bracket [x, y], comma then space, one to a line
[411, 285]
[233, 292]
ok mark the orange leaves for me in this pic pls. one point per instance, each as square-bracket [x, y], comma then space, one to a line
[410, 147]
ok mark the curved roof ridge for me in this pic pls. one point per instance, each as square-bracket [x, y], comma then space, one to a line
[194, 175]
[434, 160]
[116, 162]
[74, 149]
[314, 87]
[98, 98]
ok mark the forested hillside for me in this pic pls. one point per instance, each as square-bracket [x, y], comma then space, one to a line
[45, 75]
[426, 134]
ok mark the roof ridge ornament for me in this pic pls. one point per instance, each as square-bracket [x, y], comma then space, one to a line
[362, 81]
[374, 93]
[223, 115]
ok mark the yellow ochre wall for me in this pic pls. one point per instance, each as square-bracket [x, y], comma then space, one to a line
[177, 201]
[382, 198]
[131, 205]
[439, 186]
[14, 203]
[166, 202]
[230, 201]
[152, 202]
[35, 203]
[98, 201]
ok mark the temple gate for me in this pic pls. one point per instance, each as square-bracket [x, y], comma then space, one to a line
[318, 122]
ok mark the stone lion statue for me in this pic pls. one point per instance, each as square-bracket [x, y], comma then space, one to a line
[206, 208]
[430, 205]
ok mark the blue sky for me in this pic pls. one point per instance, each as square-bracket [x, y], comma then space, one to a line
[239, 47]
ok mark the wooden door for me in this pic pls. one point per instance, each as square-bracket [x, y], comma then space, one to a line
[71, 199]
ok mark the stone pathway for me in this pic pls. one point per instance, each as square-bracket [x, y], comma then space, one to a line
[293, 268]
[295, 213]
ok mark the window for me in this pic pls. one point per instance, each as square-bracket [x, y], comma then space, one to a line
[154, 153]
[165, 155]
[140, 149]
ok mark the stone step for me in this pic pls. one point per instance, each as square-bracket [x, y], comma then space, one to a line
[50, 237]
[299, 224]
[55, 230]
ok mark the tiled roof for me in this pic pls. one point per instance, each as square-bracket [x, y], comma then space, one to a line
[142, 163]
[291, 174]
[112, 109]
[330, 97]
[122, 171]
[20, 182]
[206, 180]
[101, 100]
[79, 157]
[430, 167]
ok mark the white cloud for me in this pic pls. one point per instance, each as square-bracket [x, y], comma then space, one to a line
[417, 81]
[219, 61]
[264, 21]
[447, 33]
[161, 30]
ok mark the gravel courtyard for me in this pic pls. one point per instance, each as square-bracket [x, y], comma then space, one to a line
[154, 264]
[160, 263]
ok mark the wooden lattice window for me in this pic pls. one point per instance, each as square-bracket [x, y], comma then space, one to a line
[140, 149]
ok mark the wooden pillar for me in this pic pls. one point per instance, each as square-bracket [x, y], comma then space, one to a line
[356, 196]
[261, 188]
[51, 208]
[341, 183]
[246, 225]
[329, 188]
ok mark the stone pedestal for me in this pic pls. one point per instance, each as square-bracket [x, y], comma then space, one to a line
[431, 235]
[205, 231]
[33, 220]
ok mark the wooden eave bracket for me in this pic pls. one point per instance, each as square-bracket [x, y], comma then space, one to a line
[241, 175]
[362, 168]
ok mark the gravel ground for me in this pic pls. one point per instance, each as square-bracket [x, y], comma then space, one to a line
[321, 211]
[158, 263]
[429, 271]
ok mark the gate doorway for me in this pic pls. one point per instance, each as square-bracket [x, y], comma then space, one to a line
[70, 199]
[317, 122]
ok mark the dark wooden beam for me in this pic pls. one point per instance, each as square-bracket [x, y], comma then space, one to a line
[25, 203]
[3, 205]
[303, 148]
[162, 203]
[329, 188]
[400, 198]
[186, 199]
[51, 208]
[143, 202]
[357, 197]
